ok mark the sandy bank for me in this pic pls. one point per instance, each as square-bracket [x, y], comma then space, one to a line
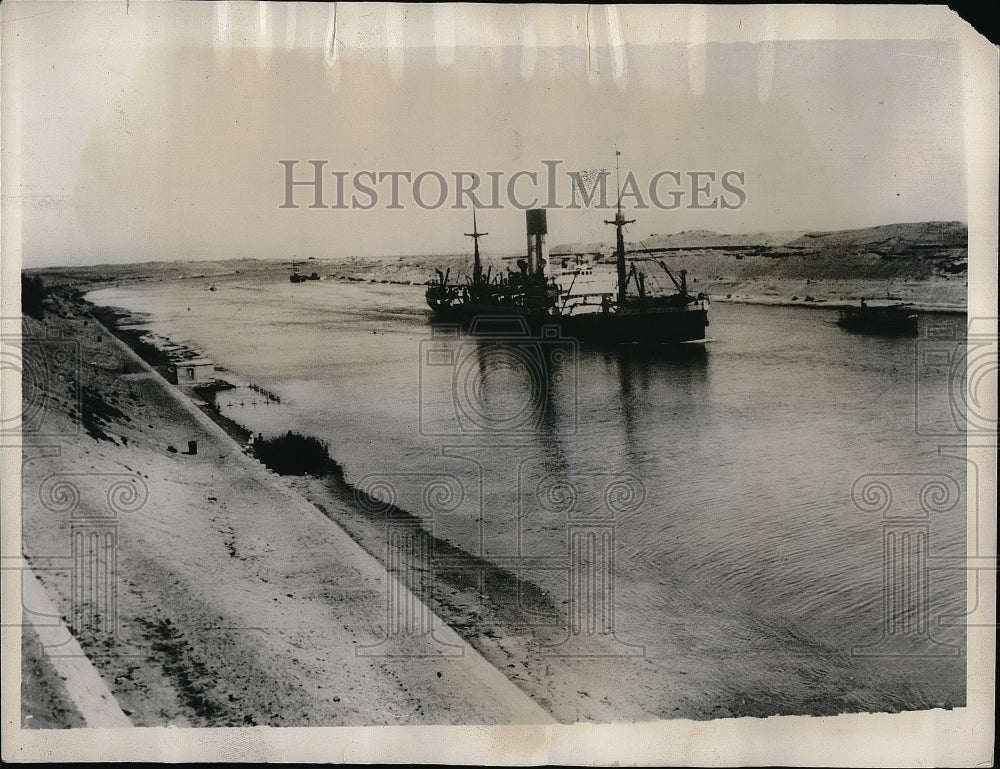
[237, 603]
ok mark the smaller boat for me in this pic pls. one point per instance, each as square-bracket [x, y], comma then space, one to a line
[296, 276]
[892, 318]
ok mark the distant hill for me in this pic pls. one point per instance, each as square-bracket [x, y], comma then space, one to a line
[686, 239]
[908, 251]
[927, 262]
[892, 239]
[921, 238]
[924, 262]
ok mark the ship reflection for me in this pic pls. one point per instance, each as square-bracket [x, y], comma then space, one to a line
[573, 466]
[651, 383]
[554, 475]
[516, 387]
[544, 392]
[539, 387]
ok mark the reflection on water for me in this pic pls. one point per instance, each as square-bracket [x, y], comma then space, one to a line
[706, 499]
[510, 385]
[684, 368]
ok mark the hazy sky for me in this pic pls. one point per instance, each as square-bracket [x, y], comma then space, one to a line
[148, 130]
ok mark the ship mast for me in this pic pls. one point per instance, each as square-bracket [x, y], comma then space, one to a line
[477, 265]
[620, 221]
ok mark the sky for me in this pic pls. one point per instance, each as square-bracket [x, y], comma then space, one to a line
[135, 131]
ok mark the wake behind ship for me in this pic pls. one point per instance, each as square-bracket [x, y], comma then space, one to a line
[617, 317]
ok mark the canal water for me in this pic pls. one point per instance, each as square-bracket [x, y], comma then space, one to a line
[772, 515]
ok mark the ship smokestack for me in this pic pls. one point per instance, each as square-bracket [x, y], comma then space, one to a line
[538, 228]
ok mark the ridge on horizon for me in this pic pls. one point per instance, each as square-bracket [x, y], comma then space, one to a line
[910, 231]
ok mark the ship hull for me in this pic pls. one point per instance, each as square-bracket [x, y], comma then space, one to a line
[662, 327]
[671, 326]
[883, 321]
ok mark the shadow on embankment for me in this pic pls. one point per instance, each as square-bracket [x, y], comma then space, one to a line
[500, 596]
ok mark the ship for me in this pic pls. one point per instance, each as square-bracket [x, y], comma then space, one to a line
[296, 276]
[890, 317]
[526, 292]
[602, 317]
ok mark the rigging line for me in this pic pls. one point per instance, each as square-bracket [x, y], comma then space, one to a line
[642, 244]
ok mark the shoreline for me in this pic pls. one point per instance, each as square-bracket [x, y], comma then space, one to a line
[923, 309]
[761, 300]
[836, 278]
[186, 651]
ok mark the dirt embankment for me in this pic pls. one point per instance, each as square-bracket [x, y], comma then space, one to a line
[236, 602]
[45, 703]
